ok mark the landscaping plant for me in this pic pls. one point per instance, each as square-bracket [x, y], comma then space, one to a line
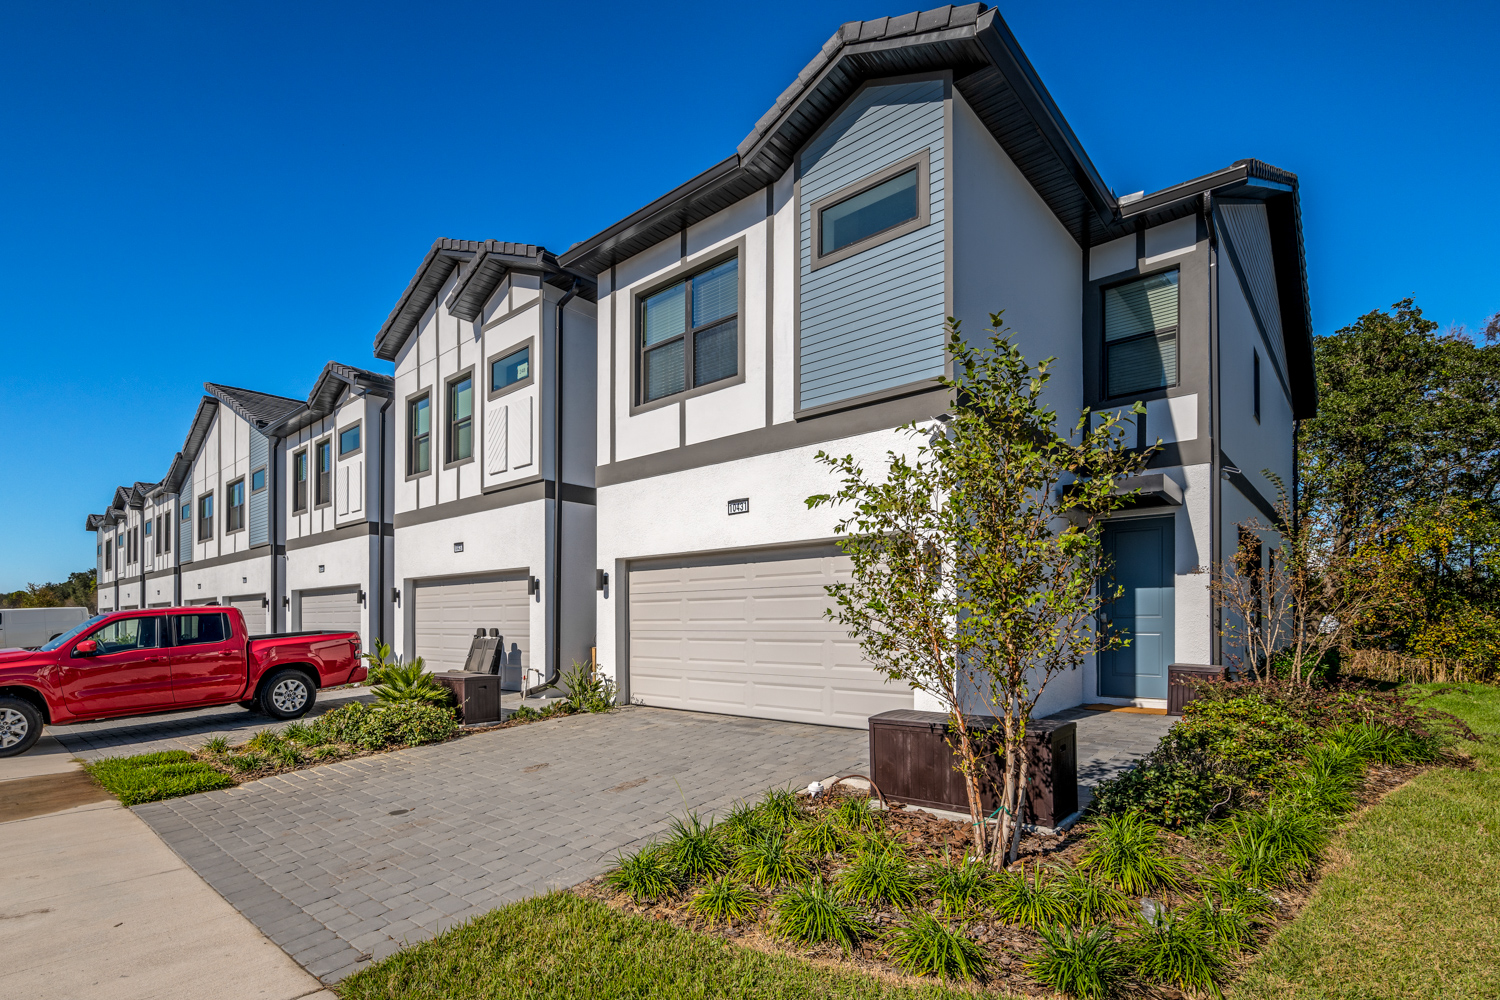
[1227, 928]
[409, 684]
[810, 912]
[782, 807]
[972, 569]
[1175, 952]
[1089, 898]
[768, 859]
[855, 815]
[723, 898]
[824, 836]
[695, 849]
[881, 876]
[961, 889]
[1126, 851]
[1086, 964]
[1275, 846]
[926, 946]
[153, 776]
[644, 876]
[1034, 902]
[588, 690]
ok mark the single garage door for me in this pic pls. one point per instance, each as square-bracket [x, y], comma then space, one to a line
[748, 637]
[449, 610]
[334, 610]
[252, 606]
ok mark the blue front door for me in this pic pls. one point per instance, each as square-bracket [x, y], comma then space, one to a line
[1141, 557]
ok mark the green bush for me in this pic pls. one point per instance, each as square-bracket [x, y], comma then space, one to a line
[1174, 952]
[1226, 927]
[154, 776]
[408, 684]
[928, 947]
[881, 876]
[1389, 745]
[824, 836]
[963, 888]
[1089, 898]
[1126, 851]
[645, 876]
[769, 859]
[782, 807]
[1089, 965]
[588, 691]
[1326, 781]
[1273, 847]
[694, 849]
[723, 898]
[1034, 902]
[812, 913]
[378, 727]
[856, 816]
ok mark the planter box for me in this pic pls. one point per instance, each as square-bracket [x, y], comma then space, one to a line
[477, 695]
[1181, 678]
[910, 761]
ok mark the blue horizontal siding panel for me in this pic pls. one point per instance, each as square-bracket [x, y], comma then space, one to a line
[185, 540]
[259, 502]
[874, 320]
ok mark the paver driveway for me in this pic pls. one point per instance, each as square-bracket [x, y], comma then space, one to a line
[342, 864]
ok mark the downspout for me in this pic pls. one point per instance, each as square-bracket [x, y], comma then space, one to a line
[273, 468]
[379, 593]
[554, 660]
[1215, 471]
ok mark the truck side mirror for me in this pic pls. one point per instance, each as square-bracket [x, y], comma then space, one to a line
[87, 647]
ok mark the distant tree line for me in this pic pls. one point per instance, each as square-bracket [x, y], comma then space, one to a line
[79, 591]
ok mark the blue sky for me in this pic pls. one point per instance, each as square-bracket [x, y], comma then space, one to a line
[238, 192]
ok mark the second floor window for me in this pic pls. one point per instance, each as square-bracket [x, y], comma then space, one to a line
[460, 419]
[299, 480]
[205, 517]
[690, 333]
[257, 480]
[1140, 335]
[418, 436]
[325, 472]
[234, 515]
[348, 440]
[109, 556]
[507, 371]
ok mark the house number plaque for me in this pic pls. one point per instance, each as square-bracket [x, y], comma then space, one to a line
[741, 506]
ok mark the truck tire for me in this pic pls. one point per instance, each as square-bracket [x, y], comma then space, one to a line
[287, 694]
[20, 726]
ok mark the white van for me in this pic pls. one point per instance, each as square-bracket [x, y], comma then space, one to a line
[27, 628]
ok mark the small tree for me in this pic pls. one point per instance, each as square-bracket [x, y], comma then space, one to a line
[976, 561]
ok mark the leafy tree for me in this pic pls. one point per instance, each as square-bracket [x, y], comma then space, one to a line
[78, 591]
[975, 572]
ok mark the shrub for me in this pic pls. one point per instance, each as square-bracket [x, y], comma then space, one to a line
[962, 888]
[1089, 965]
[1089, 898]
[377, 727]
[723, 898]
[216, 745]
[644, 876]
[823, 836]
[1225, 927]
[694, 848]
[1178, 953]
[1126, 852]
[588, 691]
[154, 776]
[1273, 847]
[1036, 902]
[812, 913]
[768, 859]
[881, 876]
[782, 807]
[928, 947]
[408, 684]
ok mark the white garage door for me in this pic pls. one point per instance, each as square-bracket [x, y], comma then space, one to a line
[749, 638]
[449, 610]
[252, 606]
[335, 610]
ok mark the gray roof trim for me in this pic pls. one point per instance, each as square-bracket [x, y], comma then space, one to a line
[490, 266]
[441, 259]
[326, 392]
[259, 409]
[94, 522]
[989, 69]
[172, 481]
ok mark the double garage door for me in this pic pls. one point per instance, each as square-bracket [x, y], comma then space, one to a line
[448, 611]
[747, 636]
[334, 610]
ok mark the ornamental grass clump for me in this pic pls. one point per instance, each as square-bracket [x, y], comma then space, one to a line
[881, 876]
[724, 899]
[1227, 929]
[1388, 744]
[1326, 782]
[745, 823]
[694, 849]
[810, 912]
[1223, 885]
[1089, 898]
[782, 807]
[1274, 847]
[644, 876]
[1126, 851]
[1086, 964]
[1174, 952]
[823, 836]
[961, 889]
[1034, 902]
[856, 816]
[769, 859]
[928, 947]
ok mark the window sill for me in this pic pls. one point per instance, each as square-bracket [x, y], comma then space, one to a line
[677, 397]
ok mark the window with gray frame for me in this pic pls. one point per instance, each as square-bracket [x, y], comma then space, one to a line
[869, 213]
[1140, 335]
[418, 435]
[258, 480]
[323, 455]
[205, 517]
[234, 513]
[348, 440]
[109, 556]
[690, 333]
[460, 436]
[299, 480]
[507, 371]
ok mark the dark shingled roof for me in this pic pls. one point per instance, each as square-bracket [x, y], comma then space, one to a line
[492, 260]
[326, 392]
[261, 409]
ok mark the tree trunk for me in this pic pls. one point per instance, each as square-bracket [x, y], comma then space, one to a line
[1015, 837]
[967, 766]
[1007, 796]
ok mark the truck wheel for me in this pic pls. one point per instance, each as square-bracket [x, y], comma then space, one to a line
[20, 726]
[253, 705]
[287, 694]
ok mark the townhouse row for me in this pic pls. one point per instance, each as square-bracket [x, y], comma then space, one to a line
[607, 451]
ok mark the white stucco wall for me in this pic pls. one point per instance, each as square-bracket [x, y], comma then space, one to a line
[1254, 446]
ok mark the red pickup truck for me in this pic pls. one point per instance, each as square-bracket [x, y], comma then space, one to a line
[139, 662]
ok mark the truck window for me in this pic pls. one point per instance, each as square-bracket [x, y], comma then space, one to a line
[192, 630]
[125, 634]
[70, 633]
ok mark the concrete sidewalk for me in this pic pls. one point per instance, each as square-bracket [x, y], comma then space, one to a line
[93, 904]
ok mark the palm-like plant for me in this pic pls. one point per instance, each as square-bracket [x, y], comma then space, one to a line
[409, 683]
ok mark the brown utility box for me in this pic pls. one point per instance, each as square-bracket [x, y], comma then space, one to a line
[911, 762]
[476, 695]
[1181, 678]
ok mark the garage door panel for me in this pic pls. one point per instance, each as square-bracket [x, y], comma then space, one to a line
[447, 612]
[252, 606]
[332, 610]
[751, 638]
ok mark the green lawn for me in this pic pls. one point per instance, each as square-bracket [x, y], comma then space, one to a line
[562, 946]
[152, 776]
[1411, 907]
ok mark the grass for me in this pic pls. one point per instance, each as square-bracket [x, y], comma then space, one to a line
[1409, 904]
[812, 912]
[1089, 965]
[153, 776]
[881, 876]
[561, 947]
[928, 947]
[1126, 851]
[1176, 952]
[645, 876]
